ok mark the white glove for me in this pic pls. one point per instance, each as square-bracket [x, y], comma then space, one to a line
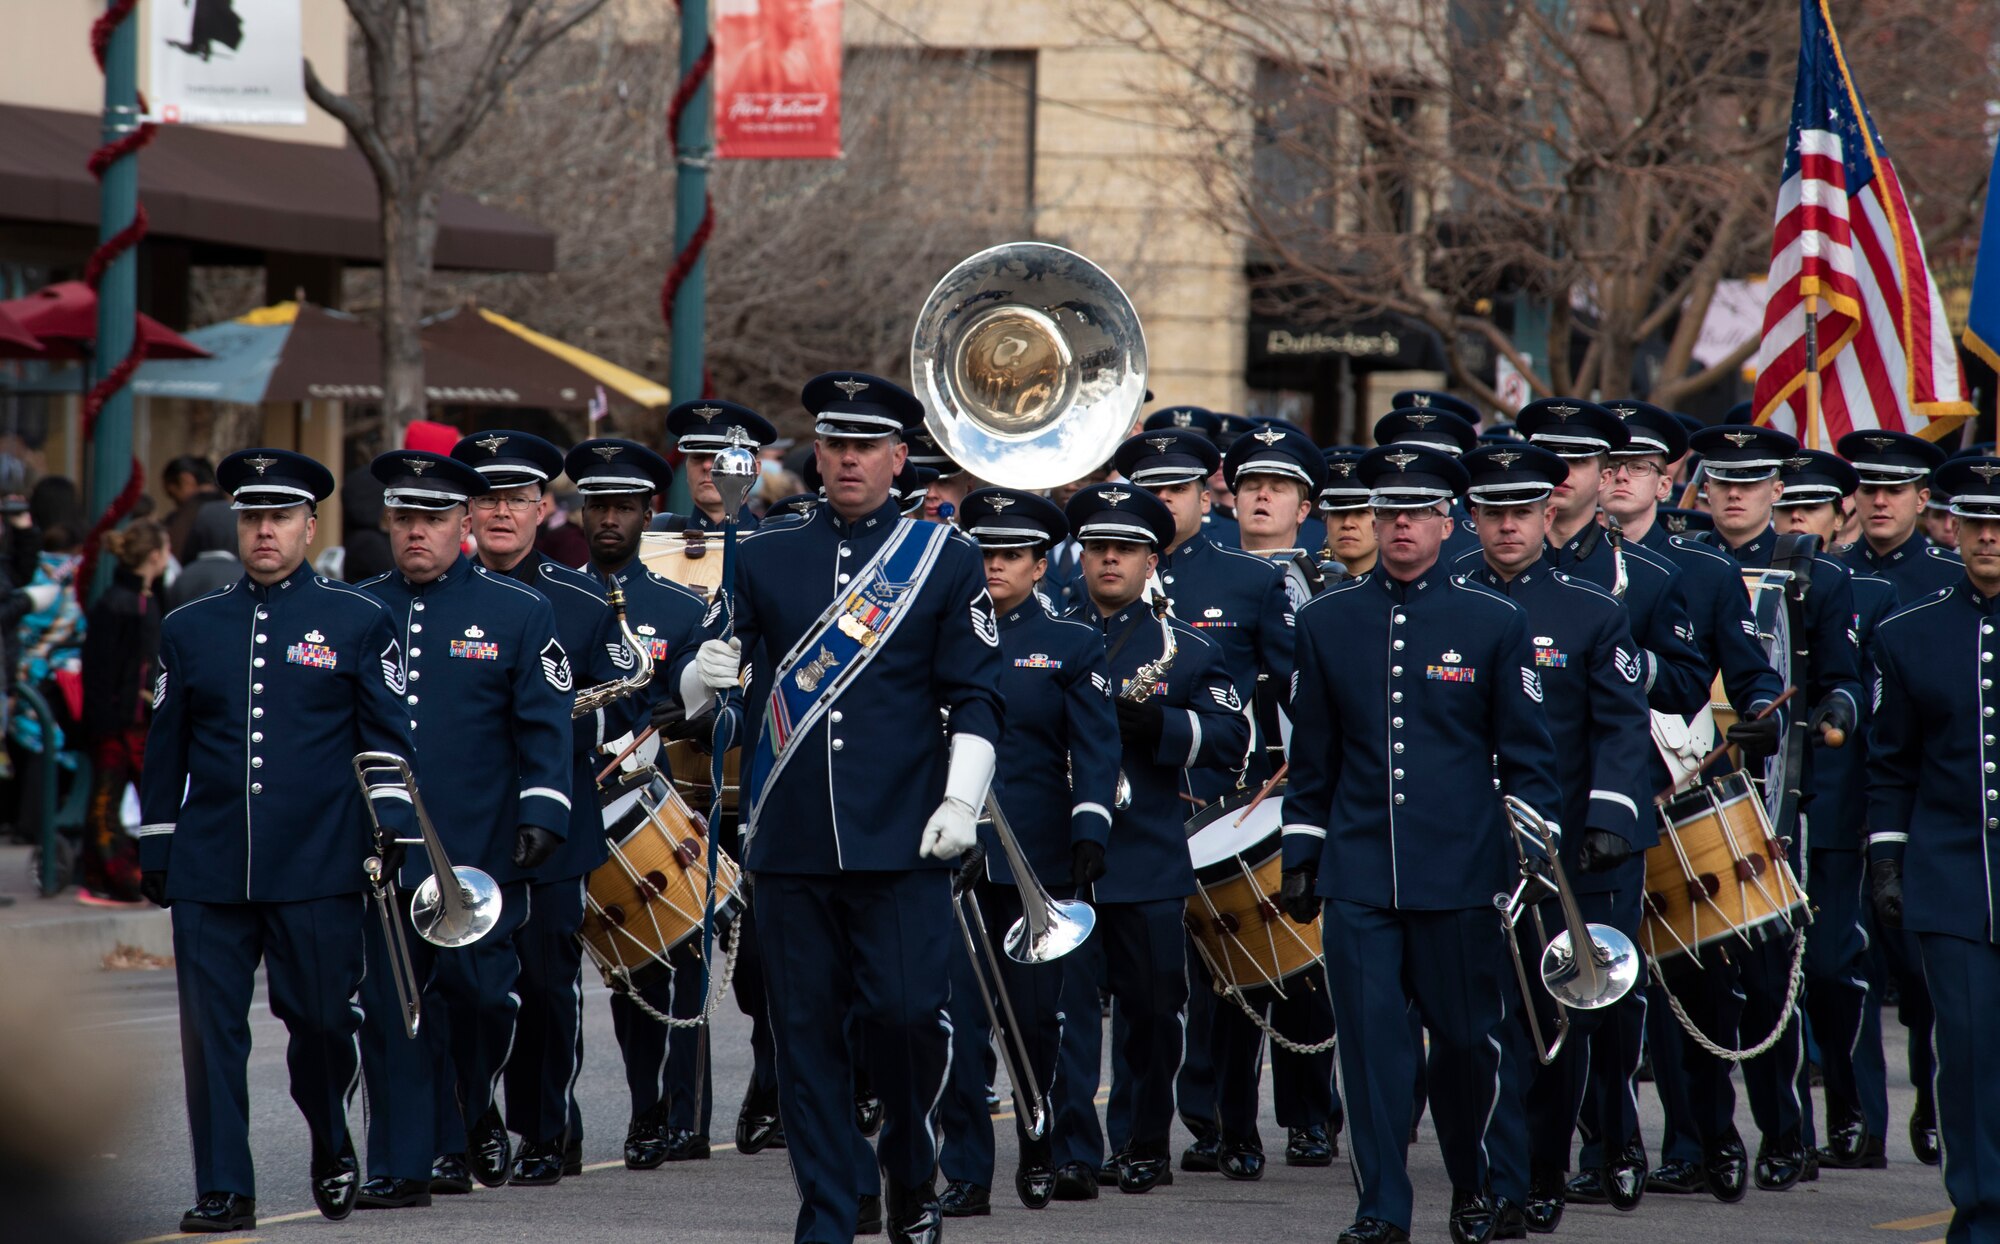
[43, 595]
[716, 667]
[951, 831]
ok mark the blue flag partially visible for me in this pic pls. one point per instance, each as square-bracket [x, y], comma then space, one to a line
[1982, 322]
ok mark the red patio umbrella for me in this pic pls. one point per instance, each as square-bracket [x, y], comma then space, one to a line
[18, 342]
[63, 318]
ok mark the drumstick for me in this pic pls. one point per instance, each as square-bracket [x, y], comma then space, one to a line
[1720, 748]
[1269, 786]
[633, 746]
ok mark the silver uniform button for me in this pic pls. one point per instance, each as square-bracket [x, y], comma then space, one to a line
[262, 614]
[256, 762]
[1396, 697]
[1398, 645]
[263, 639]
[256, 788]
[413, 699]
[416, 652]
[1396, 671]
[1397, 774]
[835, 714]
[419, 606]
[844, 578]
[256, 736]
[846, 552]
[1399, 619]
[838, 744]
[416, 674]
[1399, 799]
[259, 662]
[1398, 749]
[1397, 722]
[256, 712]
[256, 688]
[416, 628]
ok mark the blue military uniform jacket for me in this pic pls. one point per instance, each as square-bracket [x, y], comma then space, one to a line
[1933, 797]
[867, 776]
[1204, 727]
[1831, 644]
[1916, 567]
[1058, 755]
[1596, 713]
[589, 632]
[1222, 528]
[1840, 774]
[1677, 675]
[1719, 609]
[1405, 697]
[1238, 600]
[489, 695]
[263, 698]
[665, 615]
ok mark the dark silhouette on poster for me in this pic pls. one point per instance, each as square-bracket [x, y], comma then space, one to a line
[215, 21]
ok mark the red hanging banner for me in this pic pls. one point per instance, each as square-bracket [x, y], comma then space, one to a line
[777, 79]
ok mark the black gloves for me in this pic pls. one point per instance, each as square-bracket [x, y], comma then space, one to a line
[971, 867]
[392, 857]
[1296, 894]
[667, 714]
[1835, 712]
[1086, 862]
[1602, 851]
[1758, 738]
[1140, 722]
[533, 846]
[1885, 887]
[153, 887]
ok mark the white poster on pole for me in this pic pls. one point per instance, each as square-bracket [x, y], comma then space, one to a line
[225, 62]
[1510, 385]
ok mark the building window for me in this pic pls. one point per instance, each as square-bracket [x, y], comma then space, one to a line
[959, 122]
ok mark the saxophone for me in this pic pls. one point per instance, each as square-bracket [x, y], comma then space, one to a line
[1147, 678]
[590, 699]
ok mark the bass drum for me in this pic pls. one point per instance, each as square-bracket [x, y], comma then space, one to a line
[1238, 857]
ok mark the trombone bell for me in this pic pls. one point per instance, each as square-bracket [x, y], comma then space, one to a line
[447, 924]
[1047, 934]
[1612, 972]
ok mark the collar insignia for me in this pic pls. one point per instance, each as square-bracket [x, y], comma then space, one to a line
[260, 464]
[850, 387]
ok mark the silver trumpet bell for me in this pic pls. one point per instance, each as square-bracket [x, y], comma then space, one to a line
[456, 915]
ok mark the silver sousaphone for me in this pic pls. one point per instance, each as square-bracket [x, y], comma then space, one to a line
[1031, 366]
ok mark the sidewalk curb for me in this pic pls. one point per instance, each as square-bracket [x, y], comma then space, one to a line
[69, 937]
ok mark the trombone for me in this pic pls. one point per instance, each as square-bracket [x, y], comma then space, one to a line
[450, 916]
[1586, 982]
[1048, 929]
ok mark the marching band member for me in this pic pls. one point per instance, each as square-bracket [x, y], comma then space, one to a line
[254, 831]
[872, 625]
[1589, 668]
[548, 1033]
[1741, 465]
[1383, 787]
[664, 1071]
[1895, 470]
[489, 693]
[1218, 520]
[1447, 424]
[1058, 765]
[1845, 1025]
[702, 429]
[1186, 717]
[1350, 523]
[1932, 816]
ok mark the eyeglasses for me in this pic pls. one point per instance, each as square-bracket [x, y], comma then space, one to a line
[1637, 470]
[486, 505]
[1390, 513]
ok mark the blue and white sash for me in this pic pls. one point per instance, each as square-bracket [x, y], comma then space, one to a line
[839, 644]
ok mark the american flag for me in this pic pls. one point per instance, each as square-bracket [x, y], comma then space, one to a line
[1844, 232]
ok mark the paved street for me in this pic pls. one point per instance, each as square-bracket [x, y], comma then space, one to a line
[144, 1179]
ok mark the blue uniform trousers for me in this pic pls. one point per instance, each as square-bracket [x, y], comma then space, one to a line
[1142, 963]
[1195, 1084]
[1679, 1140]
[869, 945]
[1302, 1089]
[1964, 978]
[548, 1034]
[666, 1066]
[422, 1092]
[1036, 993]
[1736, 1001]
[1903, 962]
[1452, 968]
[1077, 1135]
[1838, 999]
[312, 956]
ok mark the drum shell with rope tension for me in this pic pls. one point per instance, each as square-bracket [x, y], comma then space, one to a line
[688, 762]
[1717, 839]
[1233, 916]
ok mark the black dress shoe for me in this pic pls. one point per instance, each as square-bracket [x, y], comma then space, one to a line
[962, 1198]
[912, 1215]
[686, 1146]
[491, 1149]
[1676, 1177]
[1107, 1174]
[1241, 1160]
[1036, 1186]
[1543, 1209]
[1472, 1217]
[1871, 1155]
[537, 1166]
[1311, 1146]
[646, 1141]
[1144, 1172]
[1075, 1181]
[868, 1219]
[1586, 1187]
[1725, 1169]
[1924, 1135]
[384, 1192]
[451, 1175]
[1509, 1221]
[1780, 1162]
[1374, 1231]
[757, 1124]
[1625, 1178]
[220, 1211]
[868, 1114]
[1203, 1155]
[336, 1179]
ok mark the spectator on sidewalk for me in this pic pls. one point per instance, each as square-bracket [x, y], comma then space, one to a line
[215, 563]
[189, 483]
[120, 655]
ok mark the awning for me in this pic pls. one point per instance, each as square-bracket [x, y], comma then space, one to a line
[240, 193]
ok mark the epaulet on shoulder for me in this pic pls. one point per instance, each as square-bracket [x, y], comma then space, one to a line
[481, 574]
[212, 594]
[1186, 632]
[1689, 545]
[1337, 589]
[1469, 584]
[1242, 555]
[676, 584]
[1639, 552]
[1921, 602]
[321, 581]
[1584, 585]
[1943, 555]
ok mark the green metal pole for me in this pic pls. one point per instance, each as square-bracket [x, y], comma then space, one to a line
[108, 457]
[693, 145]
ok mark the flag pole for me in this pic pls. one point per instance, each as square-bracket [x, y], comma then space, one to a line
[1811, 438]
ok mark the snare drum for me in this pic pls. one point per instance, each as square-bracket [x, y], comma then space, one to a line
[690, 558]
[649, 896]
[690, 767]
[1717, 874]
[1233, 916]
